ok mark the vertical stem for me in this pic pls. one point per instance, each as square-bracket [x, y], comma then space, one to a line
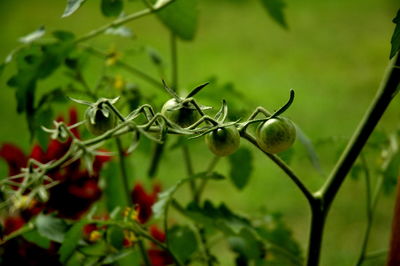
[174, 62]
[318, 216]
[143, 251]
[189, 168]
[387, 91]
[369, 211]
[394, 254]
[122, 168]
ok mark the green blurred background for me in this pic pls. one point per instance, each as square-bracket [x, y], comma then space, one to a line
[334, 56]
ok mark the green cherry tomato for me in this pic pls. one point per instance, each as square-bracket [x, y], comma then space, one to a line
[184, 116]
[276, 135]
[100, 123]
[223, 141]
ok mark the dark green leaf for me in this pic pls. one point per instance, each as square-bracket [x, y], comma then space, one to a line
[51, 227]
[71, 240]
[43, 117]
[115, 237]
[181, 18]
[111, 8]
[247, 245]
[100, 248]
[72, 6]
[182, 242]
[395, 41]
[221, 217]
[36, 238]
[165, 197]
[241, 166]
[37, 34]
[275, 10]
[282, 249]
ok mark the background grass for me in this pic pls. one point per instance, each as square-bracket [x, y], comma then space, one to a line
[333, 55]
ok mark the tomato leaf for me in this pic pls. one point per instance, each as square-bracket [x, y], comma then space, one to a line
[51, 227]
[72, 6]
[36, 238]
[275, 10]
[133, 259]
[37, 34]
[247, 245]
[395, 41]
[183, 242]
[282, 249]
[111, 8]
[221, 217]
[165, 197]
[115, 237]
[241, 166]
[180, 17]
[71, 240]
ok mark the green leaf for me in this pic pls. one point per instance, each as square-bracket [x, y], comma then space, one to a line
[33, 36]
[51, 227]
[180, 17]
[275, 10]
[71, 240]
[221, 217]
[43, 117]
[135, 260]
[183, 242]
[72, 6]
[282, 249]
[111, 8]
[247, 245]
[395, 41]
[100, 248]
[241, 166]
[115, 237]
[165, 197]
[36, 238]
[112, 188]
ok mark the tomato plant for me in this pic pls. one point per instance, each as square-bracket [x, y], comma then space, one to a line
[86, 199]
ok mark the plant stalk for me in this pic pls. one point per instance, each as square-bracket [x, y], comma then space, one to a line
[388, 90]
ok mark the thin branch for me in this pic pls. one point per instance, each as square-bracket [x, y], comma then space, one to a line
[281, 164]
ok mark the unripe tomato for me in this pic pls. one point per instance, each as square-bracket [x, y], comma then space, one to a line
[276, 135]
[184, 116]
[223, 141]
[100, 123]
